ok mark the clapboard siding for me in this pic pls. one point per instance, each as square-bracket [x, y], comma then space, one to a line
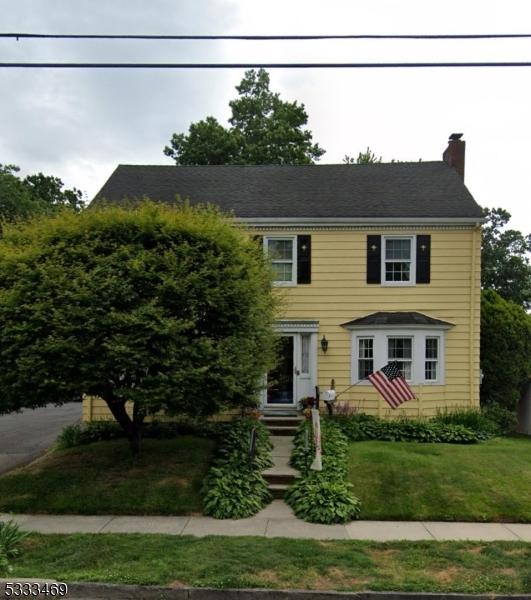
[338, 293]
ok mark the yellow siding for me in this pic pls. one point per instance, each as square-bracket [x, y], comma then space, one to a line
[95, 409]
[339, 293]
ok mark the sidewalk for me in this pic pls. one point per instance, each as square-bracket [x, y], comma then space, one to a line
[276, 520]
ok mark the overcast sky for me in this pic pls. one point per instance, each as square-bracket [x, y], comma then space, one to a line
[78, 125]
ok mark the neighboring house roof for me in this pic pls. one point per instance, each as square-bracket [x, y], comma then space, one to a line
[390, 319]
[382, 190]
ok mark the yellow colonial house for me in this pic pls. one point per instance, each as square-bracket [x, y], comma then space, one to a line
[377, 263]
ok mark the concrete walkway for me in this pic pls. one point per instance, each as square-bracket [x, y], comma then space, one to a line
[277, 520]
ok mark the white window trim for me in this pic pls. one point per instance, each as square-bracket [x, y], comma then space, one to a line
[436, 360]
[413, 262]
[309, 380]
[293, 239]
[380, 337]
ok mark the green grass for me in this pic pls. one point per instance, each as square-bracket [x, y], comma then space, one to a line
[278, 563]
[489, 481]
[104, 477]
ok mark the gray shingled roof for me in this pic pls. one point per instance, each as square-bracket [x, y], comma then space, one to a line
[421, 189]
[396, 318]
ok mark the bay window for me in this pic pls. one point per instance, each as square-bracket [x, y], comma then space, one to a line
[418, 352]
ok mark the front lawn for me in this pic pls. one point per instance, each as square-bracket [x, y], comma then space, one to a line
[104, 478]
[278, 563]
[489, 481]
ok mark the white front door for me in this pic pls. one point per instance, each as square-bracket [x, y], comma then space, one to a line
[294, 375]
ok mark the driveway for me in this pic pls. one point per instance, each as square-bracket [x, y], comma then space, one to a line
[25, 435]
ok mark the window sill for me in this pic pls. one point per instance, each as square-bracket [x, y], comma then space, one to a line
[398, 283]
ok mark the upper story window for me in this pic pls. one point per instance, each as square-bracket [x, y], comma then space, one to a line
[395, 260]
[282, 251]
[398, 260]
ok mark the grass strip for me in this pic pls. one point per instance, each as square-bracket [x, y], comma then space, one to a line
[239, 562]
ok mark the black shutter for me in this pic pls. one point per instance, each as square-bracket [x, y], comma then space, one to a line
[304, 259]
[374, 259]
[423, 258]
[259, 239]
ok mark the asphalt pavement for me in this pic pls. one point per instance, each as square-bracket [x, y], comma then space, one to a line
[26, 435]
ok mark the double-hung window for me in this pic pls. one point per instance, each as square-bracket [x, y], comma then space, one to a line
[431, 362]
[398, 260]
[282, 254]
[365, 357]
[400, 349]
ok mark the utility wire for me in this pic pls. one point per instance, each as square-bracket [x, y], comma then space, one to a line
[97, 36]
[413, 65]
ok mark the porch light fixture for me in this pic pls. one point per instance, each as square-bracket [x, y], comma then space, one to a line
[324, 344]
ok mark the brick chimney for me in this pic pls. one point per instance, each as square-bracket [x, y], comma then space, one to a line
[454, 155]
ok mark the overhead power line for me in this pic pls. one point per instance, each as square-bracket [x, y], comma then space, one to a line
[104, 36]
[410, 65]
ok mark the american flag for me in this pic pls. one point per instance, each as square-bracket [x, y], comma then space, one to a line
[392, 385]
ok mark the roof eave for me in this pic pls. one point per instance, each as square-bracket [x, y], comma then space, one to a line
[430, 326]
[365, 221]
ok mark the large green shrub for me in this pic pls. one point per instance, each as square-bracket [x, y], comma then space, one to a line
[234, 487]
[505, 350]
[505, 420]
[168, 308]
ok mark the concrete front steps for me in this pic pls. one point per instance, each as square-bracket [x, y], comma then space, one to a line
[282, 425]
[281, 429]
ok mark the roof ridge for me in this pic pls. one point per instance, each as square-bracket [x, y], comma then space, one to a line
[283, 166]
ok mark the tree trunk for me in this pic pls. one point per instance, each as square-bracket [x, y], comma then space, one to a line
[131, 427]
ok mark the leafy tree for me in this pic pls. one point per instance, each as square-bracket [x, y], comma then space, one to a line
[364, 158]
[16, 200]
[505, 265]
[207, 143]
[505, 350]
[263, 130]
[35, 194]
[168, 309]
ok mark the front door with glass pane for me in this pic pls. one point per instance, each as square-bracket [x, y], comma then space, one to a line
[294, 375]
[280, 380]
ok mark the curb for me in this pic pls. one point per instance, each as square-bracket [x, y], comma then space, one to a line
[103, 591]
